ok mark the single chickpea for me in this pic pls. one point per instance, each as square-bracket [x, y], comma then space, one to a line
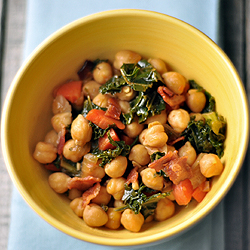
[90, 166]
[125, 56]
[151, 179]
[73, 152]
[126, 94]
[58, 181]
[196, 100]
[45, 152]
[188, 150]
[102, 72]
[60, 105]
[165, 209]
[61, 120]
[81, 131]
[116, 188]
[114, 218]
[162, 118]
[133, 129]
[139, 154]
[125, 106]
[74, 193]
[158, 64]
[52, 138]
[94, 215]
[210, 165]
[178, 119]
[131, 221]
[117, 167]
[103, 198]
[101, 100]
[77, 206]
[175, 82]
[91, 88]
[155, 136]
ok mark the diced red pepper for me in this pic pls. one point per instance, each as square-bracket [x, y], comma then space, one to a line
[104, 143]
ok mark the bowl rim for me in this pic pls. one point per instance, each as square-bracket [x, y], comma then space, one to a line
[100, 239]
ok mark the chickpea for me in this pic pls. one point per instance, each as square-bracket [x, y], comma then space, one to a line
[90, 166]
[52, 138]
[101, 100]
[74, 193]
[61, 120]
[178, 119]
[162, 118]
[77, 206]
[126, 94]
[116, 187]
[165, 209]
[91, 88]
[102, 72]
[131, 221]
[94, 215]
[125, 106]
[73, 152]
[175, 82]
[81, 131]
[139, 154]
[103, 198]
[196, 100]
[134, 129]
[158, 64]
[210, 165]
[114, 218]
[58, 181]
[151, 179]
[117, 167]
[125, 56]
[155, 136]
[61, 105]
[45, 152]
[189, 151]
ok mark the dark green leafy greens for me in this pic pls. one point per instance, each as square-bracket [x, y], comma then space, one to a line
[108, 155]
[205, 137]
[139, 202]
[156, 155]
[143, 79]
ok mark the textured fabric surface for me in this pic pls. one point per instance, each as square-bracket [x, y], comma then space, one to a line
[27, 229]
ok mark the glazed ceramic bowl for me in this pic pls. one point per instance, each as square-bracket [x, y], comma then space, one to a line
[27, 110]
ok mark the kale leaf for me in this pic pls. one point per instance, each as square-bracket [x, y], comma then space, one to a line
[202, 137]
[139, 202]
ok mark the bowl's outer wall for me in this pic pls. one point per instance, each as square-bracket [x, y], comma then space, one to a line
[27, 110]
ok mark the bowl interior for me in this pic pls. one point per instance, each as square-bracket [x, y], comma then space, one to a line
[27, 110]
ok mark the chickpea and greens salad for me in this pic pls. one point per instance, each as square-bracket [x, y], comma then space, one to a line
[131, 140]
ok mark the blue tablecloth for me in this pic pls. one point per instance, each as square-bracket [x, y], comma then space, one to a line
[27, 229]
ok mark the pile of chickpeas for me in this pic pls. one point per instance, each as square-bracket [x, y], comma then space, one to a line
[152, 138]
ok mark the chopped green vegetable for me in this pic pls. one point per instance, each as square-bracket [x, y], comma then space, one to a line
[202, 137]
[69, 167]
[108, 155]
[139, 202]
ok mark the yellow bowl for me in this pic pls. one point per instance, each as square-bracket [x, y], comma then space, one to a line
[27, 109]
